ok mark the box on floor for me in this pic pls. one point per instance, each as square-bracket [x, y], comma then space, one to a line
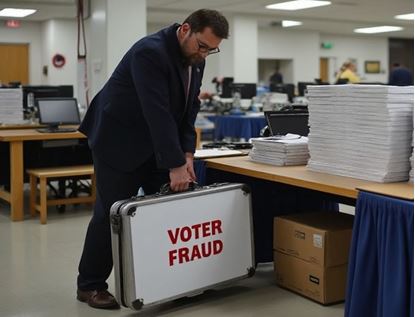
[311, 254]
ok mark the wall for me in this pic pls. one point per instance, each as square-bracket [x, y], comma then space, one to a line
[126, 24]
[245, 49]
[300, 47]
[60, 36]
[29, 32]
[97, 44]
[301, 51]
[361, 48]
[113, 27]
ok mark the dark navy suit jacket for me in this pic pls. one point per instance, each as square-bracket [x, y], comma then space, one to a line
[401, 77]
[141, 112]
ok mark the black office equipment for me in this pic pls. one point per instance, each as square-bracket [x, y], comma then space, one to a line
[283, 122]
[229, 145]
[342, 81]
[35, 92]
[284, 89]
[226, 86]
[302, 86]
[57, 111]
[247, 90]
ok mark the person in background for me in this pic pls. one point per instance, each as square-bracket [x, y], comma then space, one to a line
[400, 76]
[347, 74]
[218, 81]
[276, 77]
[140, 128]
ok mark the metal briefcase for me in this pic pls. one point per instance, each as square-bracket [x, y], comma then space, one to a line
[169, 246]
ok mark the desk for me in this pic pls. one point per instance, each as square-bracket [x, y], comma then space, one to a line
[380, 278]
[20, 126]
[397, 190]
[15, 138]
[298, 176]
[237, 126]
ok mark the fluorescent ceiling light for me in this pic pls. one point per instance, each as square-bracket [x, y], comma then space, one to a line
[289, 23]
[409, 16]
[16, 13]
[379, 29]
[297, 5]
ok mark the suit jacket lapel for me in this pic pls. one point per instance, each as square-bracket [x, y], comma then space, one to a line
[176, 55]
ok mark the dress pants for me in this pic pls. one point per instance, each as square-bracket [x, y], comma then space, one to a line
[112, 185]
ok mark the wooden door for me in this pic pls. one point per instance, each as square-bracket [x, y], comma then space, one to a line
[324, 69]
[14, 63]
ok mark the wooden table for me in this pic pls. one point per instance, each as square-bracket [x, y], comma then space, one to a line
[300, 176]
[20, 126]
[15, 138]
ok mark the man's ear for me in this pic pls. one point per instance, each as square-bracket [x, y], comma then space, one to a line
[185, 27]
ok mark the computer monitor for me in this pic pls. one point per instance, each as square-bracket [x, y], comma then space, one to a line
[283, 122]
[247, 90]
[45, 92]
[284, 89]
[57, 111]
[302, 86]
[226, 87]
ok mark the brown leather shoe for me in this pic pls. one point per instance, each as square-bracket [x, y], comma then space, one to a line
[98, 299]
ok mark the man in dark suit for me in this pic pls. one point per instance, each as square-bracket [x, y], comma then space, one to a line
[400, 76]
[276, 77]
[140, 128]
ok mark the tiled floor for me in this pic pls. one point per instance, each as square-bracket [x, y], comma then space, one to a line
[38, 268]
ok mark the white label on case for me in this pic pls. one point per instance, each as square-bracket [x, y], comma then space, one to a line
[318, 240]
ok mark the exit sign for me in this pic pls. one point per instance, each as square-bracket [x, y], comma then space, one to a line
[13, 24]
[327, 45]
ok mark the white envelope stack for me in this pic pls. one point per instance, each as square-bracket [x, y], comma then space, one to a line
[361, 131]
[282, 150]
[11, 106]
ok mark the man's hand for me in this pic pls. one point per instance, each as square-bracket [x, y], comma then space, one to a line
[180, 178]
[189, 166]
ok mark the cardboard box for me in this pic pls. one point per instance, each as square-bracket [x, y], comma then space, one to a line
[322, 238]
[324, 285]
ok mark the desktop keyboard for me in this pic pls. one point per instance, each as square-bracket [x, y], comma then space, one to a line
[59, 130]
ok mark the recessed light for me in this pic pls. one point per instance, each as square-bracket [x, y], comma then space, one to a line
[16, 13]
[379, 29]
[409, 16]
[289, 23]
[297, 5]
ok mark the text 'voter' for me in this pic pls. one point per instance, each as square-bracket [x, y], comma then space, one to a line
[195, 232]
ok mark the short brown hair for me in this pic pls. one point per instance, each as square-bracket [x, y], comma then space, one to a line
[213, 19]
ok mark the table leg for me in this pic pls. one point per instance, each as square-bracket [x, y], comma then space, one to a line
[16, 180]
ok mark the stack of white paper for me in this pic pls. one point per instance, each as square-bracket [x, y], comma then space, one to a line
[411, 160]
[361, 131]
[11, 105]
[283, 150]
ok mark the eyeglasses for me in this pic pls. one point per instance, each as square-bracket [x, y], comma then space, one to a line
[203, 48]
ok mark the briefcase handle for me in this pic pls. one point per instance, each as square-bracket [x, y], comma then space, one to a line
[166, 190]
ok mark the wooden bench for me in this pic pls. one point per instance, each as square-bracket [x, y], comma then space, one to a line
[45, 174]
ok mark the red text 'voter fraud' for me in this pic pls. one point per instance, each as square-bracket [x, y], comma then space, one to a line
[195, 232]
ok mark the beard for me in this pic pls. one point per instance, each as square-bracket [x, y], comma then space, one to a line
[193, 59]
[190, 58]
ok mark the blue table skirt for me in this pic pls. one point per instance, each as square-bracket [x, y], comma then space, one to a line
[381, 267]
[237, 126]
